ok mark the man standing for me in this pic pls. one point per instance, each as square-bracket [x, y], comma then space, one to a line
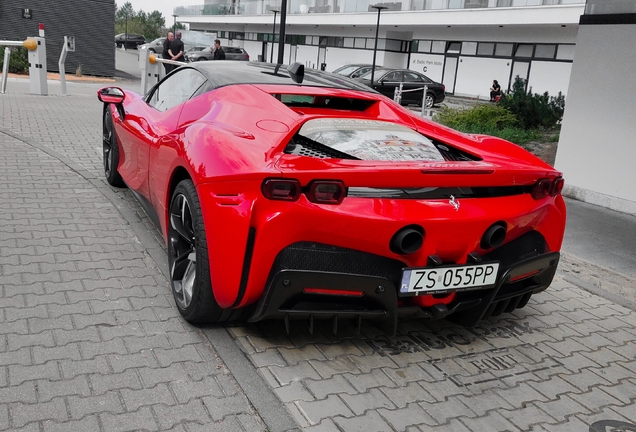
[219, 54]
[166, 52]
[176, 49]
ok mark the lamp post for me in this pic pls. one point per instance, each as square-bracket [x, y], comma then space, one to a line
[273, 34]
[174, 25]
[126, 33]
[375, 47]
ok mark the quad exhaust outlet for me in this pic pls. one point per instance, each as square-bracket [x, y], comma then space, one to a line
[407, 240]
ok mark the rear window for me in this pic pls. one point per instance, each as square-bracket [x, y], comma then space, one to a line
[370, 140]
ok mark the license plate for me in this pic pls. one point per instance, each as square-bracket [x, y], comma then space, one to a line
[455, 278]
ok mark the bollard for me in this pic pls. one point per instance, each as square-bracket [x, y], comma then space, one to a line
[5, 69]
[424, 112]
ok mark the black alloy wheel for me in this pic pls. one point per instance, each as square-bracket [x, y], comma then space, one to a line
[188, 258]
[110, 150]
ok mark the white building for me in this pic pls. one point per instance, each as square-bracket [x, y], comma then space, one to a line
[463, 43]
[596, 148]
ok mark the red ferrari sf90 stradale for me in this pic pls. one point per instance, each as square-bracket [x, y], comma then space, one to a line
[289, 193]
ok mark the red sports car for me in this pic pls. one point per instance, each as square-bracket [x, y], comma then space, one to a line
[289, 193]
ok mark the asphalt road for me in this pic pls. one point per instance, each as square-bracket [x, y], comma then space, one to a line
[126, 61]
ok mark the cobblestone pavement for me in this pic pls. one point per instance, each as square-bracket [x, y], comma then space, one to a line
[90, 338]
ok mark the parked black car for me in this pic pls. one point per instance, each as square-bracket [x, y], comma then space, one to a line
[354, 70]
[387, 80]
[131, 41]
[207, 53]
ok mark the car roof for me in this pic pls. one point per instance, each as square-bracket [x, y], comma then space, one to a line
[222, 73]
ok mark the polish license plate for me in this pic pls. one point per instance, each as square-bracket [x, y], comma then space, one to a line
[451, 278]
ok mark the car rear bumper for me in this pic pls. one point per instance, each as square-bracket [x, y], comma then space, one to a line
[373, 297]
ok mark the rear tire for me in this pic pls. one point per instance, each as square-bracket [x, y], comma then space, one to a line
[188, 259]
[430, 100]
[110, 150]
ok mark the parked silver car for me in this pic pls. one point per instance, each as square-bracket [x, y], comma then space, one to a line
[156, 46]
[200, 53]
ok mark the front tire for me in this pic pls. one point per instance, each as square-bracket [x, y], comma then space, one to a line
[110, 150]
[188, 258]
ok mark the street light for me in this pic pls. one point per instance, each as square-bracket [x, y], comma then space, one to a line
[375, 48]
[126, 33]
[174, 26]
[273, 34]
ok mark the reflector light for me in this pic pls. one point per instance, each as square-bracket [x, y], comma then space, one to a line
[324, 291]
[524, 276]
[541, 188]
[326, 191]
[557, 186]
[281, 189]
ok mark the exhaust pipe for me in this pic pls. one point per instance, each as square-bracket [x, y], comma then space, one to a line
[407, 240]
[494, 236]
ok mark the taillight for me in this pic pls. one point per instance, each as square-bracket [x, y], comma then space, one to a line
[544, 187]
[557, 186]
[281, 189]
[326, 192]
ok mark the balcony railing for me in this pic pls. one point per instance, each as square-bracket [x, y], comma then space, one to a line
[262, 7]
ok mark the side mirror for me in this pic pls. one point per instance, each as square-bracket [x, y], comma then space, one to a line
[113, 95]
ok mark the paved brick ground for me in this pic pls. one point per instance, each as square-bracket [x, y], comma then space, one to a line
[89, 336]
[90, 339]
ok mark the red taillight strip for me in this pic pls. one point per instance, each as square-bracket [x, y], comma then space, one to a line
[524, 276]
[325, 291]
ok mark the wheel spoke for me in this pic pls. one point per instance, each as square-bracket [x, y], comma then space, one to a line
[179, 227]
[180, 265]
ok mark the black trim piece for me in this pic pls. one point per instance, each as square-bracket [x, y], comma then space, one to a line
[247, 262]
[148, 208]
[626, 18]
[438, 192]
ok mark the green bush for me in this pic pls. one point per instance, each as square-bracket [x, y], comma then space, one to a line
[533, 110]
[19, 61]
[490, 117]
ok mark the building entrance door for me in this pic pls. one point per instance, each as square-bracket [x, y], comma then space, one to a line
[450, 71]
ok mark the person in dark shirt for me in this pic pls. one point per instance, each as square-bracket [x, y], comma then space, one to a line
[495, 91]
[176, 49]
[219, 54]
[166, 52]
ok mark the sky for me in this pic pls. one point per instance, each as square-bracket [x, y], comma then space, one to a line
[164, 6]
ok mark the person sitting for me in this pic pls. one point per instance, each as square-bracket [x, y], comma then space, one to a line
[495, 91]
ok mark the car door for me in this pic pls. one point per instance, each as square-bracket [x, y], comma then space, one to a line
[388, 83]
[148, 121]
[166, 104]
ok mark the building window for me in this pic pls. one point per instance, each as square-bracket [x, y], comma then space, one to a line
[453, 47]
[348, 42]
[469, 48]
[392, 45]
[438, 46]
[565, 52]
[545, 51]
[424, 46]
[524, 50]
[504, 50]
[360, 43]
[486, 49]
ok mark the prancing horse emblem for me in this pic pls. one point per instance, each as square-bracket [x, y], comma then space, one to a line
[454, 203]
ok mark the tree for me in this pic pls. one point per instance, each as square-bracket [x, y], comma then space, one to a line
[139, 22]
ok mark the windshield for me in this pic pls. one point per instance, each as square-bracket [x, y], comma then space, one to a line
[371, 140]
[345, 70]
